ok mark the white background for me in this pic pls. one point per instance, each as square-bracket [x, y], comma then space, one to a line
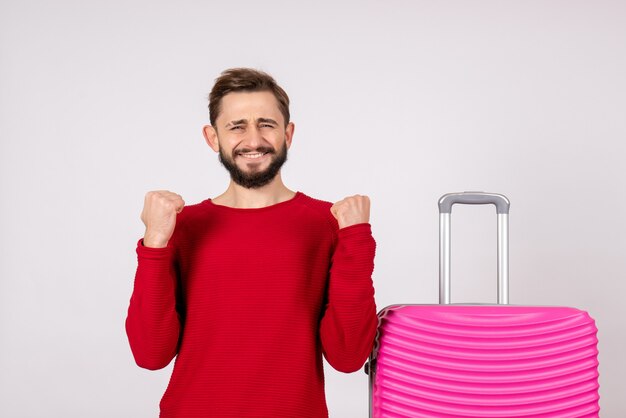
[101, 101]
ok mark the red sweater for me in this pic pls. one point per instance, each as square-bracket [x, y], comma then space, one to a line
[248, 300]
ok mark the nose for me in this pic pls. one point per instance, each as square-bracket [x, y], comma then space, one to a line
[254, 137]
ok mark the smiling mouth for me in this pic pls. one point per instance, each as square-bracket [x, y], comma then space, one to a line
[252, 155]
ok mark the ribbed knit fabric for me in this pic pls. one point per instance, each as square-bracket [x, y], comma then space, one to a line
[248, 300]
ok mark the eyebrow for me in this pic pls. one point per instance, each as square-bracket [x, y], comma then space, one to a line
[237, 122]
[267, 120]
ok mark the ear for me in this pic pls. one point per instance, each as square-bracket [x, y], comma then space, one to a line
[210, 136]
[289, 129]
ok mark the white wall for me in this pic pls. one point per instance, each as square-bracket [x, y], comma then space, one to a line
[101, 101]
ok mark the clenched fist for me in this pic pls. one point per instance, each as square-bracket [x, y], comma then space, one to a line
[352, 210]
[159, 212]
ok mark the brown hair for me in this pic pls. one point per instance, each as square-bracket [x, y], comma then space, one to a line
[246, 80]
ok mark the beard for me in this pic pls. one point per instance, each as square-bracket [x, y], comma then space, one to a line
[255, 178]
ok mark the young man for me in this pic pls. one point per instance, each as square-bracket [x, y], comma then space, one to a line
[250, 289]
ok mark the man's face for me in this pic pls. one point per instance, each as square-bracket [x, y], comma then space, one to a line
[251, 137]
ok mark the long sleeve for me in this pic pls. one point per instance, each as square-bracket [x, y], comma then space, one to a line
[153, 325]
[348, 326]
[242, 294]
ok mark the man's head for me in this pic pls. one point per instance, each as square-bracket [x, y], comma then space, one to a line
[245, 80]
[250, 127]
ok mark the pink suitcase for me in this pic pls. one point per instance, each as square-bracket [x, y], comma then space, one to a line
[452, 360]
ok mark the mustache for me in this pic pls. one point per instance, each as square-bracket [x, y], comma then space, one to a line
[263, 149]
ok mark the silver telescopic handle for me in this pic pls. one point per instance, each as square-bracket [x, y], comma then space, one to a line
[474, 198]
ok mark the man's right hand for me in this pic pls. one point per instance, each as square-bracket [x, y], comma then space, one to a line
[159, 212]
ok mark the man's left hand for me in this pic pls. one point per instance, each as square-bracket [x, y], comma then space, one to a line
[352, 210]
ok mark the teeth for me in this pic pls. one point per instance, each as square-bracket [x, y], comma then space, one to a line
[253, 155]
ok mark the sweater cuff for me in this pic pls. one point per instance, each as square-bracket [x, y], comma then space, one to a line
[356, 229]
[150, 253]
[355, 250]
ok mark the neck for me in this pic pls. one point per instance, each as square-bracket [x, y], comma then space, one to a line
[237, 196]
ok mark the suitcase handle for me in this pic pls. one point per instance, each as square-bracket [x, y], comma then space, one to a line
[474, 198]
